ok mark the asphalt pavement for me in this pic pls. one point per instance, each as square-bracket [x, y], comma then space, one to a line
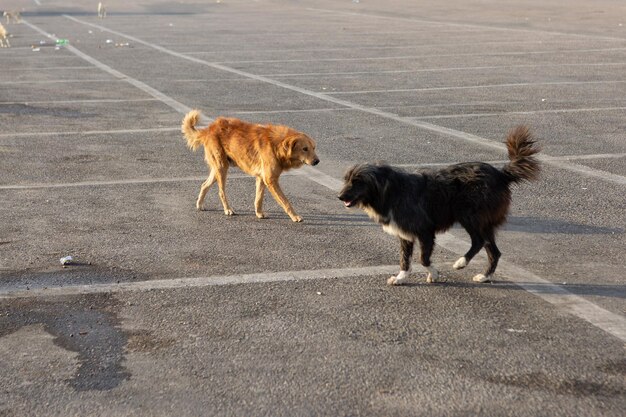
[166, 310]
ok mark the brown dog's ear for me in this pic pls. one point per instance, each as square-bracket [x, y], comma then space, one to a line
[288, 145]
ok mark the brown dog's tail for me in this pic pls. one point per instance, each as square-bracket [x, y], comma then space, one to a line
[522, 148]
[189, 129]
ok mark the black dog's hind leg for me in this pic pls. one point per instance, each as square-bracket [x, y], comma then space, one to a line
[406, 252]
[477, 244]
[493, 253]
[427, 243]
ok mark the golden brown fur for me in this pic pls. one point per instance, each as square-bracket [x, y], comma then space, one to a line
[4, 37]
[264, 151]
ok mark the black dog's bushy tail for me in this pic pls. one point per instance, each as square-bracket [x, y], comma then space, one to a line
[521, 146]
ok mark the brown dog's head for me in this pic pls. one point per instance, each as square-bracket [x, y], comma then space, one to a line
[300, 149]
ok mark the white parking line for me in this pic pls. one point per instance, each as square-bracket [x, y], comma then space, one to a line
[590, 172]
[441, 69]
[588, 157]
[385, 48]
[311, 174]
[405, 57]
[98, 80]
[512, 113]
[48, 68]
[102, 100]
[90, 132]
[578, 306]
[20, 292]
[472, 87]
[131, 181]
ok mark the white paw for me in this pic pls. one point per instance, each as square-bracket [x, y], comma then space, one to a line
[481, 278]
[460, 263]
[399, 279]
[229, 212]
[433, 274]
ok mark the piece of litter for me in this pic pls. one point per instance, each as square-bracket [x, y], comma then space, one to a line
[515, 331]
[584, 188]
[319, 293]
[91, 31]
[543, 99]
[83, 333]
[66, 260]
[36, 49]
[109, 41]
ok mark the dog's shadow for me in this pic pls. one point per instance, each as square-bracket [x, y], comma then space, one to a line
[352, 220]
[555, 226]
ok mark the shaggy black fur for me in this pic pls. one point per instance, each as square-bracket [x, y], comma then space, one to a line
[475, 194]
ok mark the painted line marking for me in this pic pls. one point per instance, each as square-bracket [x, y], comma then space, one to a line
[588, 157]
[304, 171]
[21, 292]
[578, 306]
[132, 181]
[104, 100]
[90, 132]
[371, 110]
[441, 69]
[433, 22]
[386, 48]
[48, 68]
[512, 113]
[100, 80]
[403, 57]
[472, 87]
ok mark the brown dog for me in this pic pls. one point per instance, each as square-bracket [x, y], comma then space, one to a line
[264, 151]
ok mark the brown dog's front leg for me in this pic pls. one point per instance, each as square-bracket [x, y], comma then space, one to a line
[279, 196]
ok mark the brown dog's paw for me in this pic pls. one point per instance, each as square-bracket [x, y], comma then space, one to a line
[229, 212]
[261, 215]
[296, 218]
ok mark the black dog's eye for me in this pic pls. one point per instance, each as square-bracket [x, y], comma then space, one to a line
[305, 149]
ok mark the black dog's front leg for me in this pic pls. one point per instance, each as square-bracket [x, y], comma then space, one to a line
[406, 252]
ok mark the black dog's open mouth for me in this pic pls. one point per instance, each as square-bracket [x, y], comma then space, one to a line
[349, 203]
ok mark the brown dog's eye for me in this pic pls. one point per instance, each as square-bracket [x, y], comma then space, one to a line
[305, 149]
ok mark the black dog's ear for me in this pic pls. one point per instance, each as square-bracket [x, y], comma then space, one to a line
[349, 172]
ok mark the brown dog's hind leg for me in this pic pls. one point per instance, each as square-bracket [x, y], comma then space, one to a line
[221, 182]
[204, 188]
[258, 199]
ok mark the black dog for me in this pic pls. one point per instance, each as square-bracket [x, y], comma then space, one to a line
[474, 194]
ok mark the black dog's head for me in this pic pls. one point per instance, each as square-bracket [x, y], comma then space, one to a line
[364, 185]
